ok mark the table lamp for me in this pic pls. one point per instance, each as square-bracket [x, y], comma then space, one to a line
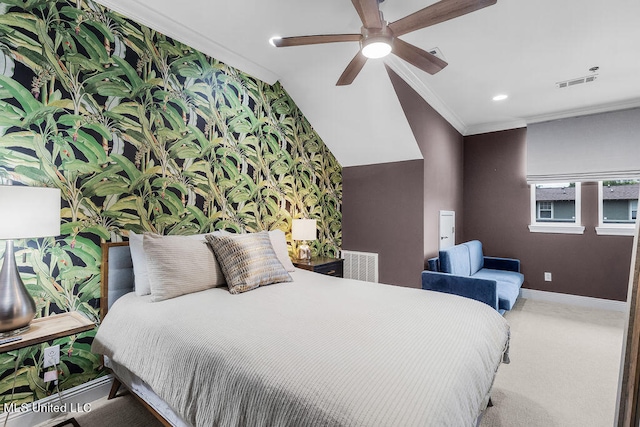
[303, 229]
[25, 212]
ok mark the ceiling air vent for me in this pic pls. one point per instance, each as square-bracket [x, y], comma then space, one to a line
[436, 52]
[573, 82]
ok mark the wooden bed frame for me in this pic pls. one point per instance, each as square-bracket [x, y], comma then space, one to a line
[109, 296]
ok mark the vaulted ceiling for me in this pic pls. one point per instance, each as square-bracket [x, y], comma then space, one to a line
[515, 47]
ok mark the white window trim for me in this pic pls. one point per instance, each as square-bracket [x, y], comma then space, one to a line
[557, 227]
[611, 229]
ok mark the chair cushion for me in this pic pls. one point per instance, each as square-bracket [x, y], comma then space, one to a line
[455, 260]
[508, 285]
[476, 258]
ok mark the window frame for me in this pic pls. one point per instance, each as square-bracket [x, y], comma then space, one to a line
[556, 227]
[610, 229]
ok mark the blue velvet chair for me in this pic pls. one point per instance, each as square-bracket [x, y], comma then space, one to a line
[464, 270]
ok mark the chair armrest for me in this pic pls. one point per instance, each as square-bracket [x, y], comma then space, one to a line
[482, 290]
[508, 264]
[433, 264]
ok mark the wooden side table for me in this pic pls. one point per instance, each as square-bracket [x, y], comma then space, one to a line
[46, 329]
[329, 266]
[50, 328]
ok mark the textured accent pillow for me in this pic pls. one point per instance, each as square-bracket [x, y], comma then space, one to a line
[179, 265]
[248, 261]
[140, 275]
[279, 243]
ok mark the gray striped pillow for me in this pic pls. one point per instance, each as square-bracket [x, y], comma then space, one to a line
[179, 265]
[248, 261]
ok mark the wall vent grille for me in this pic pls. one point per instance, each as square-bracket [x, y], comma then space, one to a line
[573, 82]
[360, 266]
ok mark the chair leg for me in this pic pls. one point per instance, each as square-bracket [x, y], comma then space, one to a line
[114, 388]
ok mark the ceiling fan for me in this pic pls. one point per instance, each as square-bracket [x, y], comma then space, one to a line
[378, 38]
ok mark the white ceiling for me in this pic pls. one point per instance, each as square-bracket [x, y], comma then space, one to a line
[518, 47]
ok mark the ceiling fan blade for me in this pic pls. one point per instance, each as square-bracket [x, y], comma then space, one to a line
[352, 70]
[418, 57]
[368, 12]
[306, 40]
[436, 13]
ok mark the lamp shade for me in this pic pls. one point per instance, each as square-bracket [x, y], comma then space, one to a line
[27, 212]
[303, 229]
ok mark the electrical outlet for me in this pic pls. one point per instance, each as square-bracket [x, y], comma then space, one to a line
[51, 356]
[547, 276]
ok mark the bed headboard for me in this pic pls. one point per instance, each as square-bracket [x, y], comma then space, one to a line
[116, 272]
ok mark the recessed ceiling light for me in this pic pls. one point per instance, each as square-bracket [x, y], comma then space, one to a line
[273, 39]
[500, 97]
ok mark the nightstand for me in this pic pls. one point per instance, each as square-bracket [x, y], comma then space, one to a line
[47, 329]
[322, 265]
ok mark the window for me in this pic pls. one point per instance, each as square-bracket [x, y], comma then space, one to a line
[545, 210]
[555, 208]
[617, 206]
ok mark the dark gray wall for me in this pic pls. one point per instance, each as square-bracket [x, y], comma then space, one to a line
[382, 213]
[442, 149]
[496, 211]
[393, 209]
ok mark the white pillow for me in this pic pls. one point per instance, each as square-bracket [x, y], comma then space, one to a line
[279, 243]
[140, 275]
[179, 265]
[139, 259]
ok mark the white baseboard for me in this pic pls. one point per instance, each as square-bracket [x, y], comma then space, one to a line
[598, 303]
[75, 400]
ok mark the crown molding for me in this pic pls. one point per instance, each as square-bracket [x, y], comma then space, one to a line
[595, 109]
[403, 70]
[166, 25]
[495, 127]
[576, 112]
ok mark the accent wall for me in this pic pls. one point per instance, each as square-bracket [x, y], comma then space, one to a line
[143, 133]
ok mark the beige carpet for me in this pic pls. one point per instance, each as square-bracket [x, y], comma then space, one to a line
[563, 373]
[564, 369]
[123, 411]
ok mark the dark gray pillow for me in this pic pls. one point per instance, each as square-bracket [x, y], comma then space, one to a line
[248, 261]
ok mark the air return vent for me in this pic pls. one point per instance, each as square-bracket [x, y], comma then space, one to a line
[361, 266]
[574, 82]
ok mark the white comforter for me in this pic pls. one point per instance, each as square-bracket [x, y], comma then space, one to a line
[316, 351]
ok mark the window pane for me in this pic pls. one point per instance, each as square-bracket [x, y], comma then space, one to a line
[620, 201]
[556, 202]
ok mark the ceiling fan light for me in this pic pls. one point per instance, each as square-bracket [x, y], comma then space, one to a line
[376, 49]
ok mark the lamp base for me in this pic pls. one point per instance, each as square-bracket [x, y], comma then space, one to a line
[17, 308]
[304, 252]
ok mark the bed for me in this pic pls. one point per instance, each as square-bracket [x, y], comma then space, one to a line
[317, 350]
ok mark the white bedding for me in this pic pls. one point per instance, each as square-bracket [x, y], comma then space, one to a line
[316, 351]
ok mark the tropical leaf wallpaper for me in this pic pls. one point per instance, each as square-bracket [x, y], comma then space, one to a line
[140, 132]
